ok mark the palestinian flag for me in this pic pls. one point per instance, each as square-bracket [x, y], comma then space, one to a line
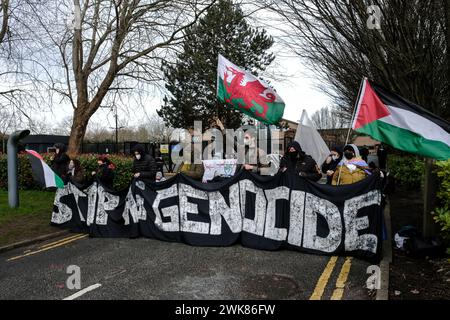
[244, 92]
[391, 119]
[42, 173]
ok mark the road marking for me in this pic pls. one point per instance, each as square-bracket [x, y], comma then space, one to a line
[59, 241]
[342, 279]
[323, 280]
[48, 248]
[81, 292]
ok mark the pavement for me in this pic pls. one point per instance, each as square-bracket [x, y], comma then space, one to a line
[152, 269]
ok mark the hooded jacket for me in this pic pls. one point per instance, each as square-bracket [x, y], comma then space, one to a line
[60, 162]
[350, 171]
[333, 164]
[105, 174]
[304, 165]
[146, 166]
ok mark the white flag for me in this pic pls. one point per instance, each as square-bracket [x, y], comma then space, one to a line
[310, 140]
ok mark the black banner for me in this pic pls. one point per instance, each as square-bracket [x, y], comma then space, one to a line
[268, 213]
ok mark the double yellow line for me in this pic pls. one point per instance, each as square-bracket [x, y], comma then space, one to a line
[51, 245]
[325, 277]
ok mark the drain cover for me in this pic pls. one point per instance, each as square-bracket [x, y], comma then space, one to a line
[269, 286]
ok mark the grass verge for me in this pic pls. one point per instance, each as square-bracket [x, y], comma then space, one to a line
[30, 220]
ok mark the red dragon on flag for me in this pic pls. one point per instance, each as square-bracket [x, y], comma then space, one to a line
[246, 93]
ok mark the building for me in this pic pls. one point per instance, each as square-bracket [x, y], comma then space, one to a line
[43, 143]
[332, 137]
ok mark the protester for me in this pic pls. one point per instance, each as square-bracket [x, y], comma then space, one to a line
[144, 166]
[352, 168]
[159, 161]
[75, 172]
[296, 160]
[192, 170]
[160, 177]
[382, 156]
[60, 161]
[331, 162]
[105, 172]
[365, 153]
[256, 159]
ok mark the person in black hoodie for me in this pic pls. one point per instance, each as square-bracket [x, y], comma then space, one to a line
[296, 160]
[60, 161]
[144, 166]
[331, 162]
[105, 172]
[75, 174]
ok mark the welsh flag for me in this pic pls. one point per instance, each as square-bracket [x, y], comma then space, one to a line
[389, 118]
[246, 93]
[42, 173]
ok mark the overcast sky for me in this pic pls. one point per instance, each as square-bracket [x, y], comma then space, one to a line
[294, 83]
[297, 88]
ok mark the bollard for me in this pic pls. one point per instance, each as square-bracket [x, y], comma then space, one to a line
[13, 186]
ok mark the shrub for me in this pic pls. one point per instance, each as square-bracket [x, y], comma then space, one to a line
[25, 175]
[123, 173]
[442, 213]
[408, 171]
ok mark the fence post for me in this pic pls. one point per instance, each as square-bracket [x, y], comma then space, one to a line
[429, 228]
[13, 185]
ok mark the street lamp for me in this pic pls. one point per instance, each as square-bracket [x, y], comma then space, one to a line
[116, 128]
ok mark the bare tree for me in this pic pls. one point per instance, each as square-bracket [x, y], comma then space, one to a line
[113, 48]
[153, 130]
[157, 130]
[22, 90]
[329, 118]
[406, 52]
[4, 17]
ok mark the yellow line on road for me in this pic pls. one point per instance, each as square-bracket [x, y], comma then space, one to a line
[48, 248]
[342, 279]
[323, 280]
[60, 240]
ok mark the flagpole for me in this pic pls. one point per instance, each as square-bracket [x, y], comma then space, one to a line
[355, 108]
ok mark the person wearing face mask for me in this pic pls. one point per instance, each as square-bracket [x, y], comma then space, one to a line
[296, 160]
[352, 168]
[144, 166]
[105, 172]
[331, 162]
[253, 153]
[75, 173]
[60, 161]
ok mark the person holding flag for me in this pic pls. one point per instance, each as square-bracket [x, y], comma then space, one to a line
[351, 169]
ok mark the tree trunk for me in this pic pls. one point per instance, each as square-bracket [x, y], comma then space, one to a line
[78, 130]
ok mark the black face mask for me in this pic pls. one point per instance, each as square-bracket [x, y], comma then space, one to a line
[293, 155]
[349, 155]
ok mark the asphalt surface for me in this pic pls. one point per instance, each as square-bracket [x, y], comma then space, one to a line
[151, 269]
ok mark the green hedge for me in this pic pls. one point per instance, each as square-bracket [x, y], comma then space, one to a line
[408, 171]
[122, 178]
[442, 213]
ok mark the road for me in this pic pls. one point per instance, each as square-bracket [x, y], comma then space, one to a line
[151, 269]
